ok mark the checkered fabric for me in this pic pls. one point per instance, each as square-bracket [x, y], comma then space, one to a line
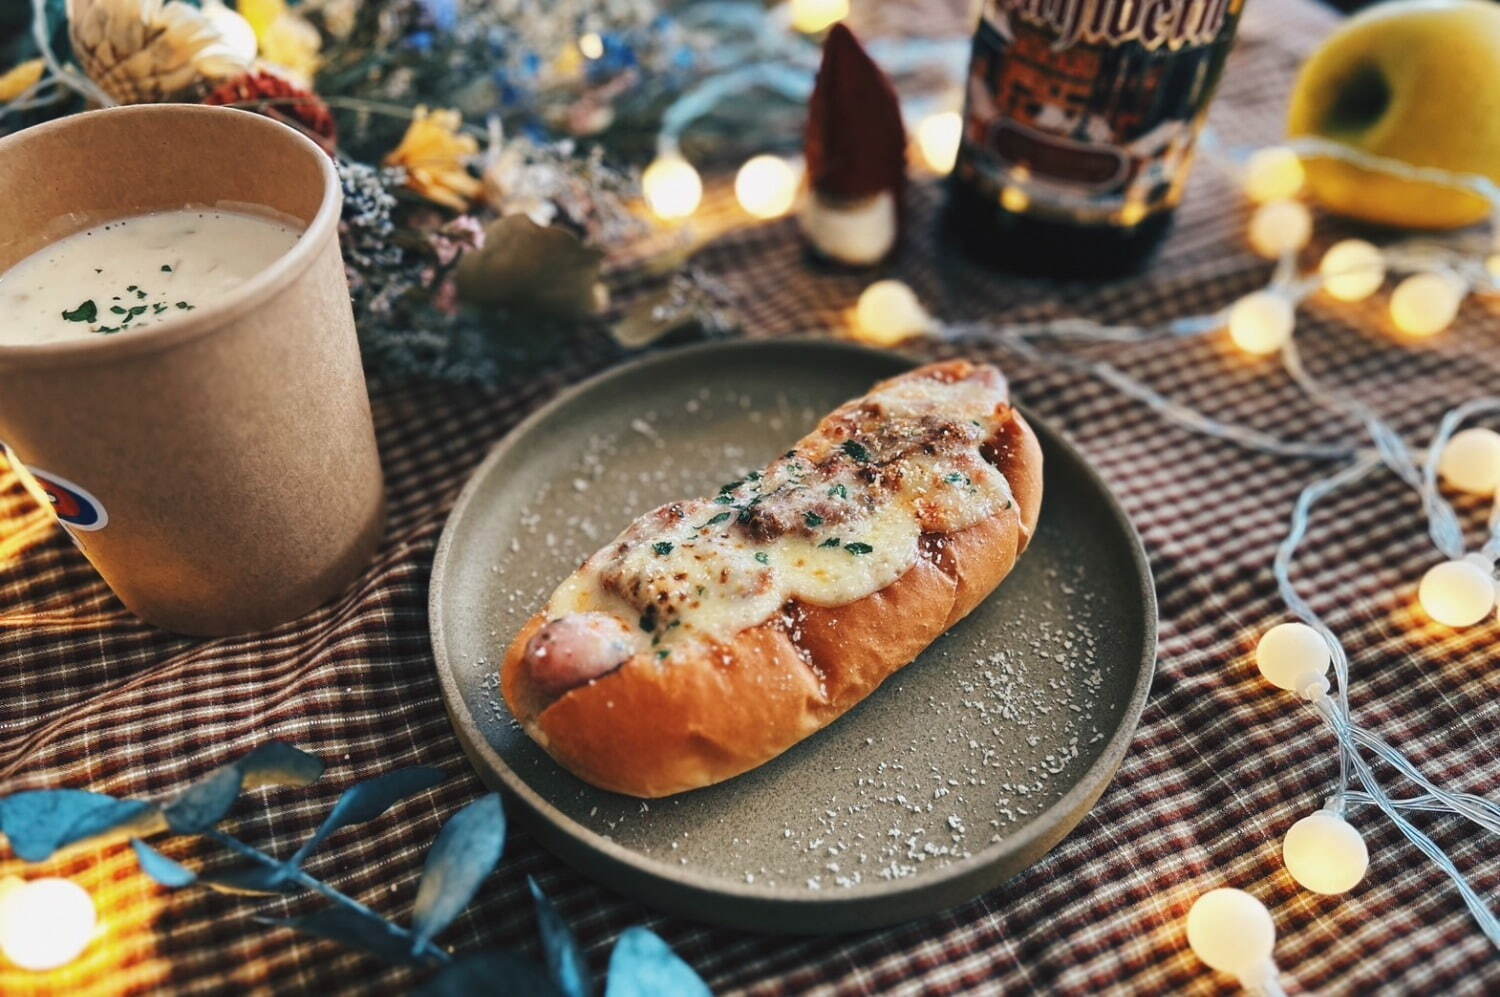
[1220, 767]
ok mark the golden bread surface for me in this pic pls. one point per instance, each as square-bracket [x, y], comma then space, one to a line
[747, 621]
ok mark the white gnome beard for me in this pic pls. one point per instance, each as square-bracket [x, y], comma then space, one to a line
[859, 233]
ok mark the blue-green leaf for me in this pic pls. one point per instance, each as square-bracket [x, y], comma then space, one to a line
[116, 817]
[251, 881]
[464, 854]
[204, 803]
[493, 972]
[369, 799]
[642, 965]
[160, 868]
[37, 821]
[277, 763]
[351, 928]
[564, 959]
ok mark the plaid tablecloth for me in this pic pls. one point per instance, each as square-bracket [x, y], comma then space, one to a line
[1220, 767]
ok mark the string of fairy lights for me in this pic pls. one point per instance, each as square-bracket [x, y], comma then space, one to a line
[1229, 929]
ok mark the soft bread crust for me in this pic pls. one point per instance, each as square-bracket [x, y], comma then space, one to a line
[653, 728]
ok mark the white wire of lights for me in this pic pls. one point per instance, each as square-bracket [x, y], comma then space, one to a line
[1230, 929]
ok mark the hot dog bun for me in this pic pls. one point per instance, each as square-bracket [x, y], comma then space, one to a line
[696, 699]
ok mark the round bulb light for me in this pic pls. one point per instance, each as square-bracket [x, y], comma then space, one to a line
[1352, 270]
[672, 187]
[1457, 593]
[1325, 854]
[1273, 174]
[1471, 461]
[1261, 322]
[1425, 304]
[889, 312]
[1232, 932]
[1293, 656]
[813, 16]
[591, 45]
[46, 923]
[1280, 227]
[766, 186]
[938, 138]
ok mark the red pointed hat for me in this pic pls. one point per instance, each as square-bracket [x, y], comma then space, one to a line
[856, 143]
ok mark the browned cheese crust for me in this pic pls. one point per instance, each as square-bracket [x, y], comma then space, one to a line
[650, 731]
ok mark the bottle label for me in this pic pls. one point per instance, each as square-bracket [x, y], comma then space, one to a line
[1087, 110]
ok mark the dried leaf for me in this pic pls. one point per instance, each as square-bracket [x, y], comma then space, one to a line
[356, 930]
[369, 799]
[532, 269]
[464, 854]
[492, 972]
[564, 959]
[204, 803]
[277, 763]
[642, 965]
[252, 880]
[38, 822]
[165, 871]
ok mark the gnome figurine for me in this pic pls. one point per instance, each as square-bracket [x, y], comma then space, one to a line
[856, 157]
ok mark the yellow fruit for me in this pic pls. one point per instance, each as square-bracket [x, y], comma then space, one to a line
[1415, 80]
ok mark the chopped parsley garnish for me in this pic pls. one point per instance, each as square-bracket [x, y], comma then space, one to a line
[662, 655]
[858, 548]
[956, 479]
[139, 295]
[744, 516]
[105, 330]
[763, 557]
[185, 306]
[724, 498]
[662, 547]
[86, 312]
[838, 491]
[717, 519]
[856, 450]
[813, 520]
[130, 287]
[117, 309]
[166, 268]
[730, 487]
[830, 542]
[648, 620]
[753, 476]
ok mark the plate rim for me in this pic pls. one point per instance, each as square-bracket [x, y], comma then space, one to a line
[1038, 836]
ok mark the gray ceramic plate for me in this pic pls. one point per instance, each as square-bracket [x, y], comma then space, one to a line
[963, 769]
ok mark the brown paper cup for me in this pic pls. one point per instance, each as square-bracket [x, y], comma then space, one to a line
[218, 469]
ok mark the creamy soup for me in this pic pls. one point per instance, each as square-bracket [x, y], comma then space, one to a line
[136, 272]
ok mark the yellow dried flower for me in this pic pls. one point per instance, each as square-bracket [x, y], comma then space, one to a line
[20, 78]
[434, 153]
[288, 42]
[139, 51]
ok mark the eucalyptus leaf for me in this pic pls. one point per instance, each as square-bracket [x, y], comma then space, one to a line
[252, 880]
[464, 854]
[135, 817]
[642, 965]
[204, 803]
[542, 270]
[493, 972]
[165, 871]
[277, 763]
[564, 959]
[351, 928]
[38, 822]
[369, 799]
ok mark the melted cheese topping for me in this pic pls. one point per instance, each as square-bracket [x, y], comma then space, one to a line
[834, 520]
